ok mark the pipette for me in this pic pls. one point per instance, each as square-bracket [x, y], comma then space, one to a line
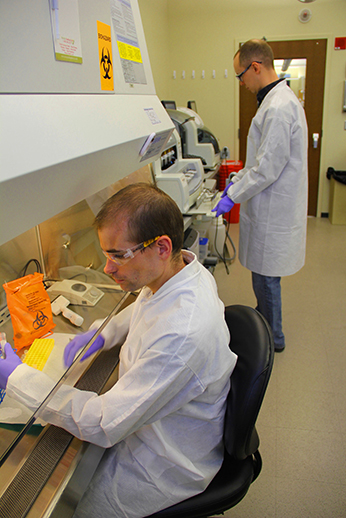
[2, 355]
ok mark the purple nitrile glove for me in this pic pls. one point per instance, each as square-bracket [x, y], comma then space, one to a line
[226, 189]
[8, 364]
[224, 205]
[78, 343]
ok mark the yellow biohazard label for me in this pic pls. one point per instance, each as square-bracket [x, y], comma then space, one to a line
[105, 56]
[129, 52]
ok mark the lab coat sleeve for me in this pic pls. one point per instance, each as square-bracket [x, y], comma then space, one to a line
[117, 329]
[270, 160]
[157, 384]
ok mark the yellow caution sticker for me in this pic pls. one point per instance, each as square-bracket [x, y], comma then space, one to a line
[129, 52]
[105, 56]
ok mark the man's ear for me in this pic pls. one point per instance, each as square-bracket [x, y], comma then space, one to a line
[165, 247]
[256, 67]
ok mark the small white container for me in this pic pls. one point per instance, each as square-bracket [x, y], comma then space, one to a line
[217, 236]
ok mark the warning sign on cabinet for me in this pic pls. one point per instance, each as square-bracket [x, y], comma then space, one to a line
[105, 56]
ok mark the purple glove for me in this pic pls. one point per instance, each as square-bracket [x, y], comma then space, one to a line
[78, 343]
[224, 205]
[8, 365]
[226, 189]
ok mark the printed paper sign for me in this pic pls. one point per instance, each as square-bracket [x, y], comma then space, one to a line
[156, 146]
[127, 40]
[65, 29]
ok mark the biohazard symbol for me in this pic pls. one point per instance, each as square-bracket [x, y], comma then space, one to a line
[106, 63]
[40, 320]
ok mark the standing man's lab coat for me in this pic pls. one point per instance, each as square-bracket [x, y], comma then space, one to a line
[272, 187]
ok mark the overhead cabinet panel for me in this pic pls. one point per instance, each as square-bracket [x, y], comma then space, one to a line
[28, 47]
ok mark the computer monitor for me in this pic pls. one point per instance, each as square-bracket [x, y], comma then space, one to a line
[192, 105]
[169, 105]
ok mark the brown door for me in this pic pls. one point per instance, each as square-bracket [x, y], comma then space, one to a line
[314, 51]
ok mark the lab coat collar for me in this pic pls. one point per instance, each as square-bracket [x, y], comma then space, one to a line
[192, 267]
[262, 93]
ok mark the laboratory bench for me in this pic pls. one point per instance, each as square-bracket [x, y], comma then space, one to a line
[45, 470]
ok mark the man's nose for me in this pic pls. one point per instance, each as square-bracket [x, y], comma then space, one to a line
[110, 267]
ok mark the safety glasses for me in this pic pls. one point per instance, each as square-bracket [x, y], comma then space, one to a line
[240, 76]
[121, 257]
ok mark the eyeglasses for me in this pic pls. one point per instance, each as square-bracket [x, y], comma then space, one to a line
[121, 257]
[240, 76]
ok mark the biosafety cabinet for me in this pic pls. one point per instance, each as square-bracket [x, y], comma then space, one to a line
[78, 115]
[77, 104]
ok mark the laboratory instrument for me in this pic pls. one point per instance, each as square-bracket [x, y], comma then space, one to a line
[77, 292]
[197, 140]
[181, 178]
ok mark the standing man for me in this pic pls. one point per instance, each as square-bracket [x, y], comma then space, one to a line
[272, 187]
[162, 422]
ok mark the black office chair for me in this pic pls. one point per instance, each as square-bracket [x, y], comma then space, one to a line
[251, 340]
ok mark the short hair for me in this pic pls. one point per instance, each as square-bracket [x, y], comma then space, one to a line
[149, 212]
[256, 50]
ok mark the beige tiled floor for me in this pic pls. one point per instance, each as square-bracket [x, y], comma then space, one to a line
[302, 423]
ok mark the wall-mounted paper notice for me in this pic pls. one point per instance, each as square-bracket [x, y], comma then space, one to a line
[65, 29]
[127, 40]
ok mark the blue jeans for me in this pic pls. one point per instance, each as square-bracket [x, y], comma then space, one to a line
[268, 294]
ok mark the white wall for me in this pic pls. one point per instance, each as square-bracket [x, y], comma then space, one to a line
[204, 35]
[155, 19]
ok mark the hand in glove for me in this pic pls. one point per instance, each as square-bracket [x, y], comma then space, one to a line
[78, 343]
[7, 365]
[224, 205]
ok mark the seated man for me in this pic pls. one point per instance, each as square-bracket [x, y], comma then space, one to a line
[162, 422]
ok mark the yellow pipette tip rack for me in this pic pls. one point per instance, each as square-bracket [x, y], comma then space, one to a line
[39, 352]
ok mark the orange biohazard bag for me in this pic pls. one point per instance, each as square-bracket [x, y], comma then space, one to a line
[30, 309]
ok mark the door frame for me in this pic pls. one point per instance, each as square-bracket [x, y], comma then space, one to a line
[315, 123]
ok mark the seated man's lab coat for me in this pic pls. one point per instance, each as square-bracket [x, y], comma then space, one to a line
[162, 422]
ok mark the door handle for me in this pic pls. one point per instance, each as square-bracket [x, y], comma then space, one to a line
[315, 138]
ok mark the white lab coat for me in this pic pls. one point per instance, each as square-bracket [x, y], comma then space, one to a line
[272, 187]
[165, 414]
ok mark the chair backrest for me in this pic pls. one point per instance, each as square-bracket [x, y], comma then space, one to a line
[251, 340]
